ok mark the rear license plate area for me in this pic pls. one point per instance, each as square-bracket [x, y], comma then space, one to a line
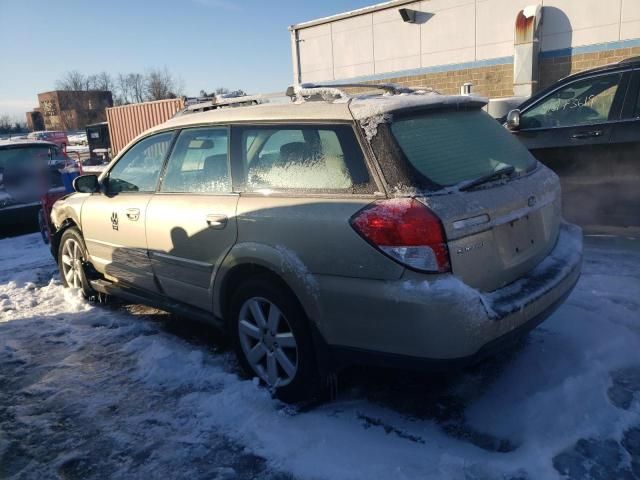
[518, 238]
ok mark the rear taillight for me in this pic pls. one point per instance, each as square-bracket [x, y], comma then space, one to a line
[407, 231]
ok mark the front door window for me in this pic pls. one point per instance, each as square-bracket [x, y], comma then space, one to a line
[139, 168]
[582, 102]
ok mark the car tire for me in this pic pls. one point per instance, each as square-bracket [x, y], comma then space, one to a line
[72, 260]
[42, 225]
[274, 345]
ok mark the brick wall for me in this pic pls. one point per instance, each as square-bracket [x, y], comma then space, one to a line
[492, 81]
[553, 69]
[71, 110]
[497, 80]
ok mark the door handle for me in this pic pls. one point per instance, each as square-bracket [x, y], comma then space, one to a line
[217, 220]
[582, 135]
[133, 214]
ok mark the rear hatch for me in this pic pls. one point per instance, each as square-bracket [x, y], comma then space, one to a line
[499, 207]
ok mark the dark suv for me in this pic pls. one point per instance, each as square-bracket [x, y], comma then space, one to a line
[586, 127]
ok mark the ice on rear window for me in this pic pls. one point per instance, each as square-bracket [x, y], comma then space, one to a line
[448, 147]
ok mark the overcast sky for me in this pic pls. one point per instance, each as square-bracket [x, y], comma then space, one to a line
[206, 43]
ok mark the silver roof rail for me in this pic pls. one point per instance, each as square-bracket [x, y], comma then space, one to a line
[204, 104]
[311, 90]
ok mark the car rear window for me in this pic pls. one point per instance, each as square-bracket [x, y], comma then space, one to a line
[449, 147]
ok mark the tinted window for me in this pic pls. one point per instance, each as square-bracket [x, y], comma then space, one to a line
[581, 102]
[323, 158]
[139, 168]
[448, 147]
[27, 171]
[199, 162]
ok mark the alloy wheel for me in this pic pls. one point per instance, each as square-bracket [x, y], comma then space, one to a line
[72, 263]
[268, 342]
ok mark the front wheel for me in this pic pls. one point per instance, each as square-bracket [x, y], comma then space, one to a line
[272, 339]
[44, 228]
[72, 258]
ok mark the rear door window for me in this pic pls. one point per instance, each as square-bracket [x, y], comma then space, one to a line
[199, 162]
[303, 157]
[448, 147]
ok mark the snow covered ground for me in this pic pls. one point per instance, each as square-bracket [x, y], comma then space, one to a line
[120, 391]
[78, 148]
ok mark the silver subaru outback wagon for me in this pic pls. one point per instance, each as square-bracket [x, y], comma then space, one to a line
[405, 228]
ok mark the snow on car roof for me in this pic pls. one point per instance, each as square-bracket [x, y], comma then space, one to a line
[357, 106]
[23, 142]
[367, 106]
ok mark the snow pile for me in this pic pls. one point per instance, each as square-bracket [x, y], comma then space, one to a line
[79, 138]
[98, 392]
[77, 148]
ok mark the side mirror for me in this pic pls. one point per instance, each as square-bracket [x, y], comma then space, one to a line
[513, 120]
[86, 184]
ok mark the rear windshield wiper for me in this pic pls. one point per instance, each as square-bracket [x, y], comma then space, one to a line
[501, 172]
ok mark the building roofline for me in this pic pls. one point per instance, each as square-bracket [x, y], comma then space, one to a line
[353, 13]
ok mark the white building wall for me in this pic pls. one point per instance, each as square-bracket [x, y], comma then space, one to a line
[452, 32]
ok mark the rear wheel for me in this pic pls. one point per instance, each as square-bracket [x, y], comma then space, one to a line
[72, 258]
[272, 339]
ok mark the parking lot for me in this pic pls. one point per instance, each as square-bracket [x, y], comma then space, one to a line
[123, 391]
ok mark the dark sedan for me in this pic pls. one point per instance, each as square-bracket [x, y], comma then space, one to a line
[28, 169]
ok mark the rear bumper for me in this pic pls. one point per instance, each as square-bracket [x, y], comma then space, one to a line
[342, 356]
[414, 321]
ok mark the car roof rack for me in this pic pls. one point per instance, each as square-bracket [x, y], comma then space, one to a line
[203, 104]
[311, 91]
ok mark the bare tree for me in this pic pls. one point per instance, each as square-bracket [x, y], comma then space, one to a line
[138, 85]
[123, 96]
[103, 81]
[160, 84]
[5, 123]
[10, 125]
[77, 81]
[156, 84]
[73, 80]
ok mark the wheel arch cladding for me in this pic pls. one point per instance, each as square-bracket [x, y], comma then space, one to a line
[57, 236]
[283, 266]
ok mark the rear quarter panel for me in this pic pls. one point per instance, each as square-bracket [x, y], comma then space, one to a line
[300, 238]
